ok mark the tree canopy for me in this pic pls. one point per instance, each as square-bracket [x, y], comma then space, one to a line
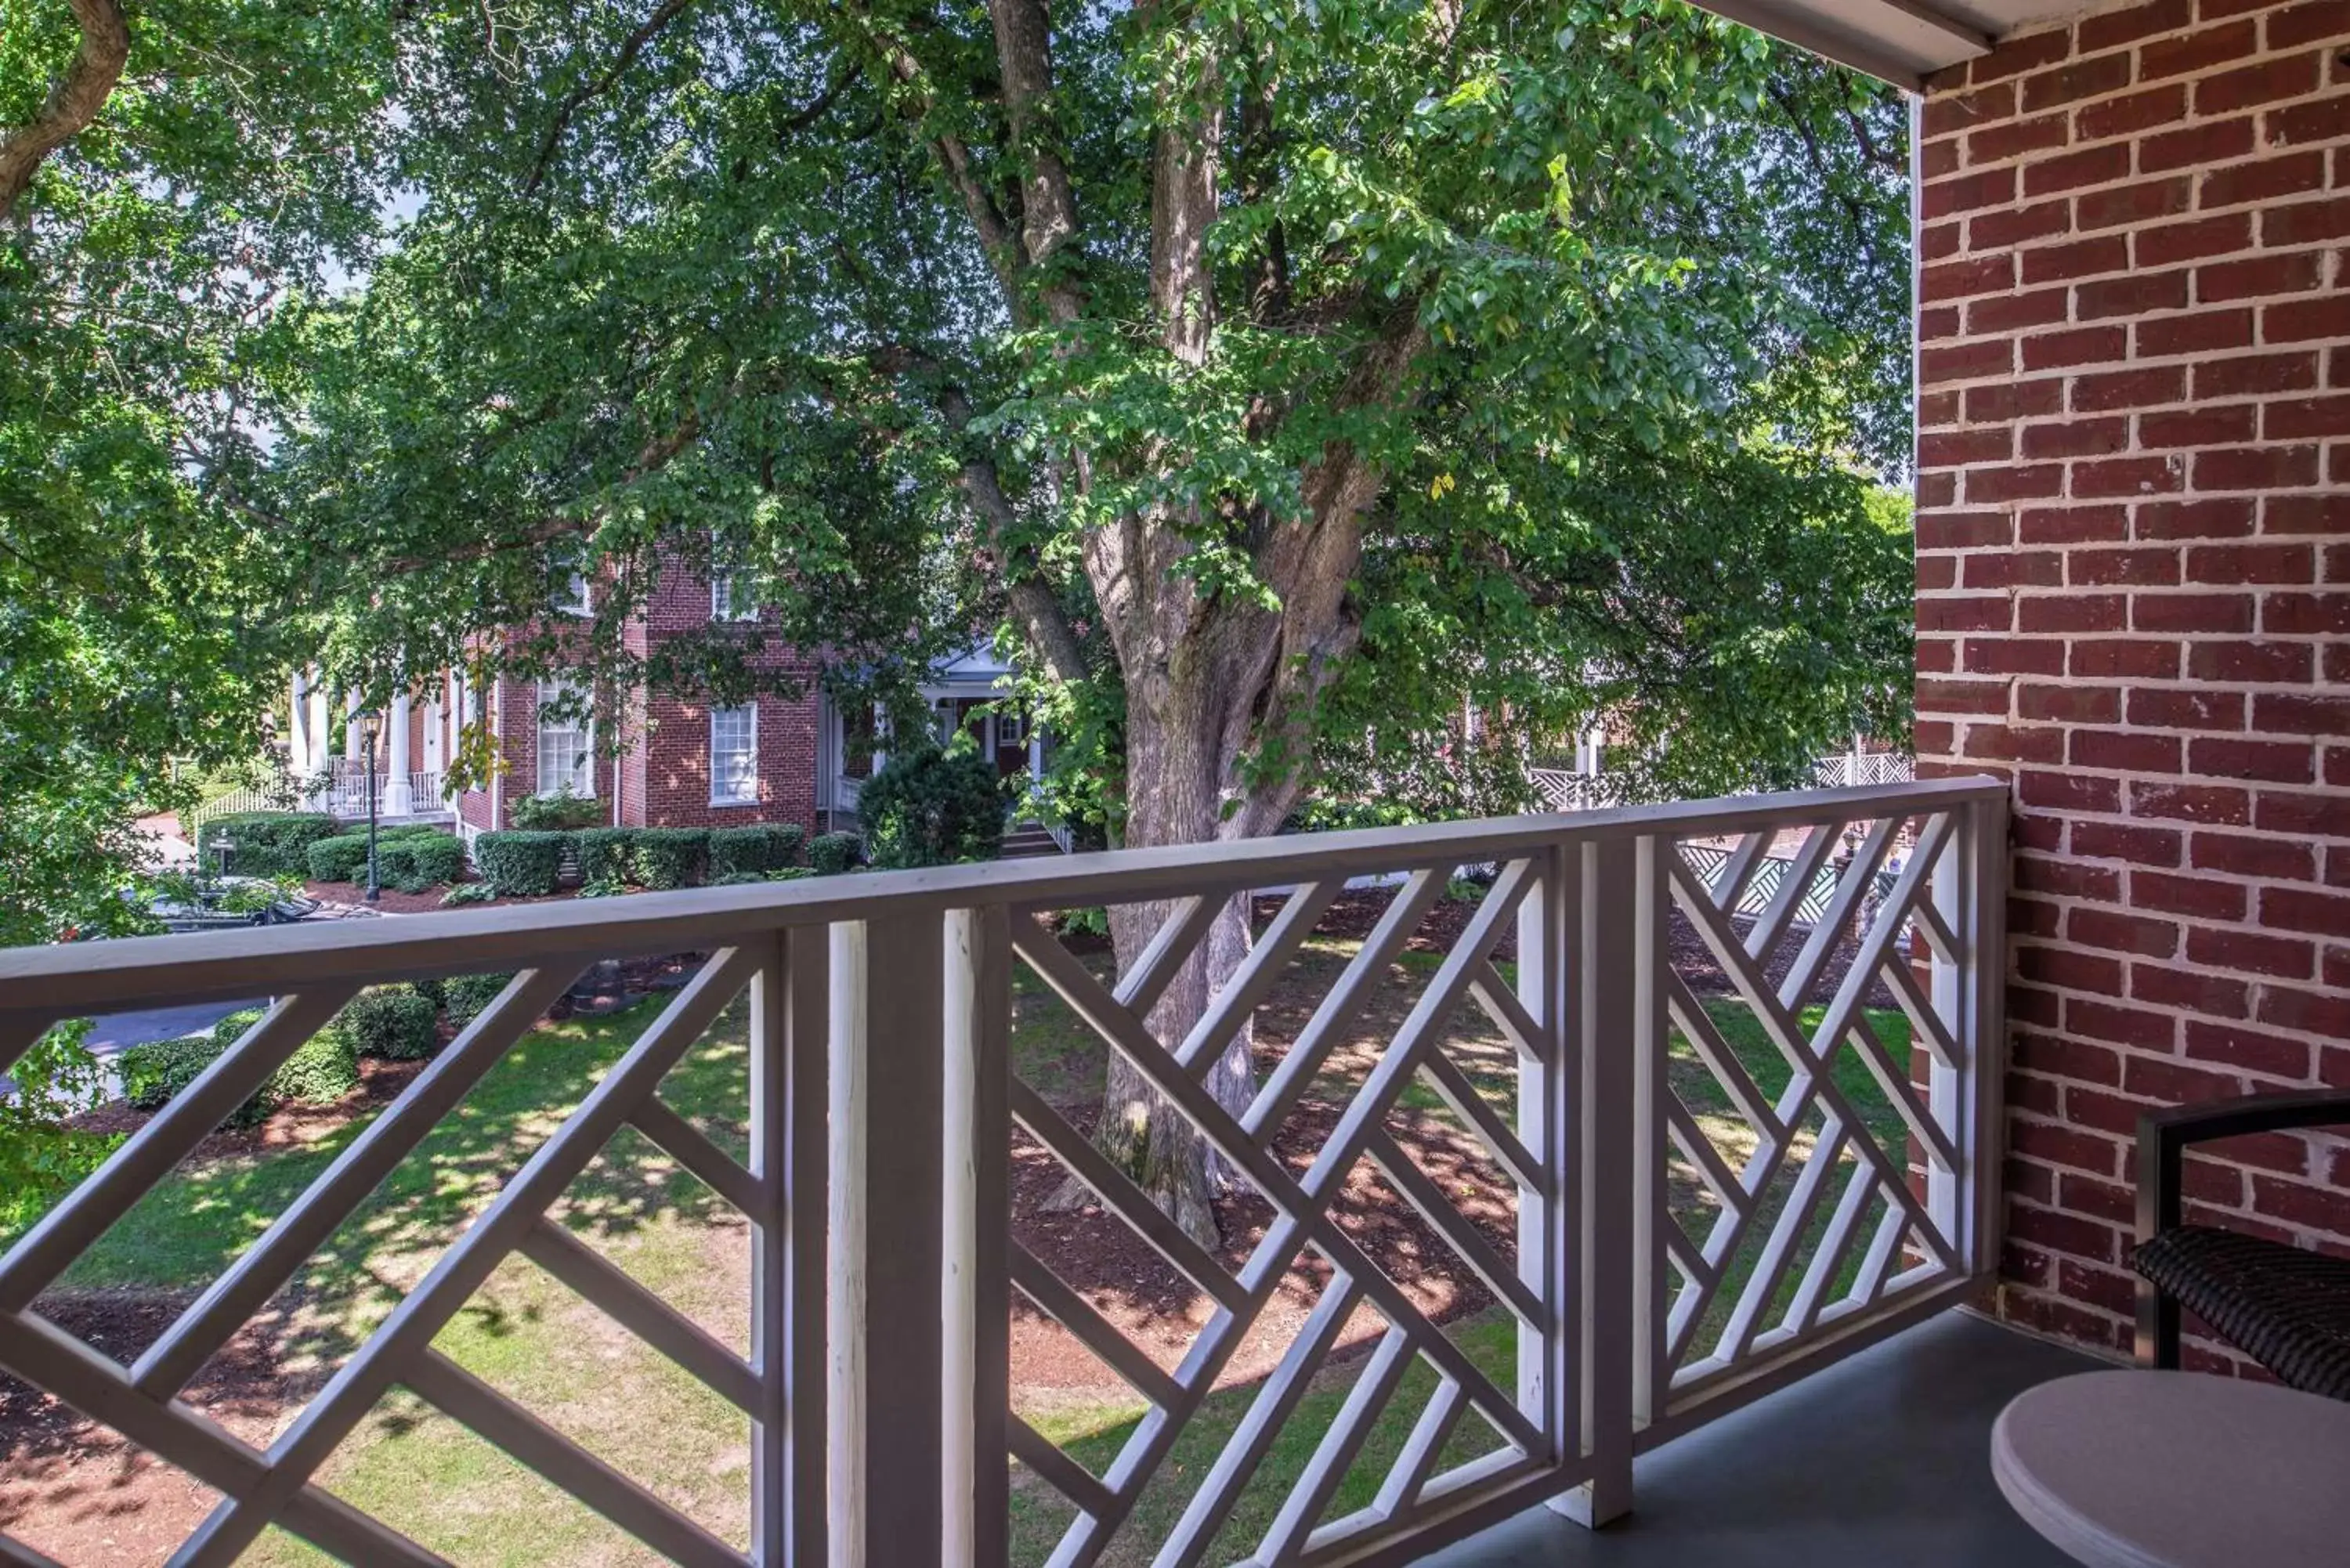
[1280, 376]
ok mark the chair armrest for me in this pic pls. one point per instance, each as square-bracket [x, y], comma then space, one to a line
[2164, 1136]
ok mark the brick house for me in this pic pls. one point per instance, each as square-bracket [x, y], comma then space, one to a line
[681, 764]
[2134, 595]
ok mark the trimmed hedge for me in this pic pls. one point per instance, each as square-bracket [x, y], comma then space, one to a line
[830, 853]
[397, 1023]
[439, 856]
[411, 858]
[753, 852]
[467, 994]
[607, 855]
[669, 857]
[155, 1074]
[323, 1070]
[521, 863]
[929, 807]
[342, 859]
[268, 843]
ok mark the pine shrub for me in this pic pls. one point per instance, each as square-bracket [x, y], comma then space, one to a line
[932, 807]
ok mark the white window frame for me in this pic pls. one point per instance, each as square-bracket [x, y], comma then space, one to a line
[717, 797]
[584, 783]
[582, 600]
[725, 603]
[1011, 727]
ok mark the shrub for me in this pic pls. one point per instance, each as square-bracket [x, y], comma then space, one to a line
[752, 851]
[521, 863]
[323, 1071]
[268, 843]
[672, 856]
[468, 994]
[342, 859]
[395, 864]
[605, 854]
[397, 1023]
[557, 813]
[929, 807]
[830, 853]
[155, 1074]
[468, 893]
[439, 856]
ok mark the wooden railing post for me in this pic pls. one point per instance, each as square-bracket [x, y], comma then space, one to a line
[1550, 1368]
[789, 1000]
[1971, 889]
[976, 1125]
[1609, 953]
[885, 1474]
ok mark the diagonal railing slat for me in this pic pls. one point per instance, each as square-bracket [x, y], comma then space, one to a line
[422, 1314]
[154, 1150]
[691, 1148]
[603, 1283]
[325, 1203]
[473, 1404]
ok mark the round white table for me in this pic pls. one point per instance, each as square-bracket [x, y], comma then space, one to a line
[2178, 1470]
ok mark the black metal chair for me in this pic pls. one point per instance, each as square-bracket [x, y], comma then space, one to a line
[2286, 1308]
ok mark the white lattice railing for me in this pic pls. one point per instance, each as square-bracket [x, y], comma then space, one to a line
[1860, 770]
[1682, 1223]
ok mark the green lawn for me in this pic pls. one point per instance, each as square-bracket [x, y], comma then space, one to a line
[529, 1336]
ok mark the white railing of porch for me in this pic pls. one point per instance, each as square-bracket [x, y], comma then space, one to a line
[883, 1101]
[346, 793]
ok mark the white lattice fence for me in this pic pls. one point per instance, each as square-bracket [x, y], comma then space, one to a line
[1652, 1216]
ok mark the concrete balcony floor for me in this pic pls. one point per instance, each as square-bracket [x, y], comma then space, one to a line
[1880, 1461]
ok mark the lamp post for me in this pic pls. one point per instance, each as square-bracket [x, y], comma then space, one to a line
[370, 726]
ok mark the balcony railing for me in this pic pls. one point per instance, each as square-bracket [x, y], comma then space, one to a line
[1654, 1273]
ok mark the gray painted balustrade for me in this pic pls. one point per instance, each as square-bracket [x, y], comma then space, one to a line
[883, 1104]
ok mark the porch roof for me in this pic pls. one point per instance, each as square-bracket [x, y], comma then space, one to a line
[1899, 41]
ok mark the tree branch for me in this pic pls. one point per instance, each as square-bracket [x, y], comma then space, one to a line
[1049, 202]
[578, 98]
[1819, 161]
[1031, 598]
[73, 101]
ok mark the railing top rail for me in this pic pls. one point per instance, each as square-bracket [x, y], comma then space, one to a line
[70, 979]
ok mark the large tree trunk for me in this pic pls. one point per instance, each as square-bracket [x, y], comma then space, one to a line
[1175, 756]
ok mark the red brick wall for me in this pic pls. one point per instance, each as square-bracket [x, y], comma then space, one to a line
[663, 773]
[2134, 593]
[668, 767]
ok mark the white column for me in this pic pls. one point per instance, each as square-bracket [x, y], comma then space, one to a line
[1036, 754]
[398, 797]
[312, 761]
[436, 734]
[350, 726]
[298, 726]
